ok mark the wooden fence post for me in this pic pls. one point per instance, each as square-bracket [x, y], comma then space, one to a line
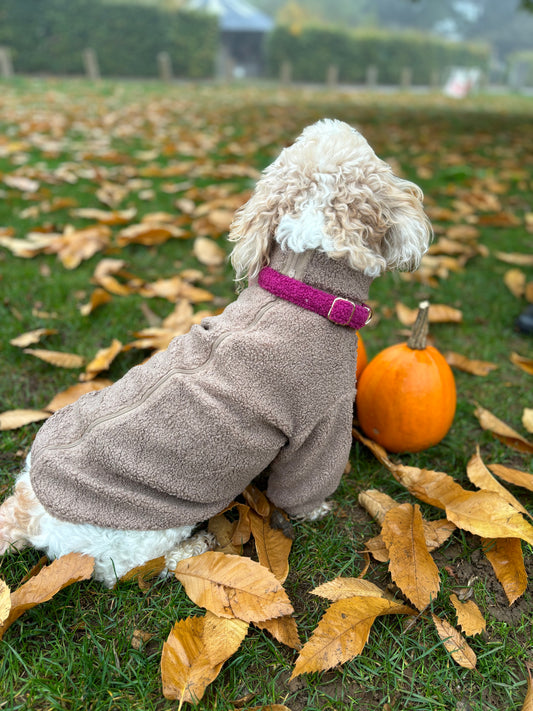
[286, 73]
[90, 63]
[406, 77]
[372, 76]
[6, 66]
[165, 66]
[332, 78]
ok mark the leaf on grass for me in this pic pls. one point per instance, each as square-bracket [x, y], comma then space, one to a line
[437, 313]
[379, 452]
[273, 547]
[502, 431]
[270, 707]
[522, 362]
[231, 586]
[342, 588]
[64, 571]
[13, 419]
[527, 419]
[518, 258]
[102, 360]
[186, 670]
[469, 616]
[467, 365]
[483, 513]
[208, 252]
[70, 395]
[507, 560]
[222, 637]
[515, 281]
[528, 701]
[455, 643]
[410, 564]
[283, 629]
[5, 601]
[479, 475]
[145, 572]
[376, 503]
[343, 632]
[57, 358]
[435, 534]
[31, 337]
[513, 476]
[99, 297]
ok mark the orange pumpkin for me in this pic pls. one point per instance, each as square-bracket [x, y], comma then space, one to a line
[362, 358]
[406, 396]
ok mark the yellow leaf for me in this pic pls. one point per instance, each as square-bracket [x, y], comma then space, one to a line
[507, 560]
[522, 362]
[455, 643]
[343, 632]
[208, 252]
[231, 586]
[515, 281]
[30, 337]
[148, 234]
[410, 564]
[62, 572]
[527, 419]
[5, 601]
[57, 358]
[70, 395]
[379, 452]
[435, 534]
[513, 476]
[186, 670]
[518, 258]
[479, 475]
[342, 588]
[222, 637]
[528, 701]
[502, 431]
[283, 629]
[13, 419]
[474, 367]
[376, 503]
[99, 297]
[256, 500]
[102, 360]
[438, 313]
[469, 616]
[273, 547]
[144, 572]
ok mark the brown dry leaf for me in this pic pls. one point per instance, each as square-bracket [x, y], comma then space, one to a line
[283, 629]
[520, 259]
[379, 452]
[139, 638]
[222, 637]
[529, 292]
[106, 217]
[469, 616]
[435, 534]
[455, 643]
[99, 297]
[144, 572]
[148, 234]
[57, 358]
[513, 476]
[223, 529]
[343, 632]
[74, 246]
[175, 288]
[515, 281]
[102, 360]
[31, 337]
[502, 431]
[467, 365]
[208, 252]
[5, 602]
[410, 564]
[528, 701]
[483, 513]
[231, 586]
[275, 707]
[438, 313]
[13, 419]
[273, 547]
[507, 560]
[342, 588]
[64, 571]
[257, 501]
[186, 670]
[479, 475]
[376, 503]
[522, 362]
[527, 419]
[70, 395]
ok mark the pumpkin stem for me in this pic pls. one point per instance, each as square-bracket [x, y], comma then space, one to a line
[418, 338]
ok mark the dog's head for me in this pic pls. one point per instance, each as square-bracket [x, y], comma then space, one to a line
[329, 191]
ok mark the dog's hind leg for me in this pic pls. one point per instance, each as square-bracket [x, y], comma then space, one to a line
[19, 518]
[195, 545]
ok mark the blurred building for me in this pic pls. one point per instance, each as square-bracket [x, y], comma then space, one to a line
[242, 33]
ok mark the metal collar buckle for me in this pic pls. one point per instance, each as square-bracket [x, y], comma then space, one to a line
[339, 300]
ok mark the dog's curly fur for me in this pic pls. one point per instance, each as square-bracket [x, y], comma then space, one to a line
[328, 191]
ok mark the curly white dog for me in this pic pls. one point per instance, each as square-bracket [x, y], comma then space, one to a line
[126, 474]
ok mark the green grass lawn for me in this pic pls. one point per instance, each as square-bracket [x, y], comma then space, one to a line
[474, 161]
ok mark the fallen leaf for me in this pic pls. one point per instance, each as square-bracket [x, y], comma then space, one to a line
[469, 616]
[515, 281]
[13, 419]
[57, 358]
[222, 637]
[70, 395]
[343, 632]
[31, 337]
[479, 475]
[410, 564]
[522, 362]
[513, 476]
[507, 560]
[283, 629]
[256, 500]
[455, 643]
[342, 588]
[527, 419]
[64, 571]
[232, 586]
[474, 367]
[5, 602]
[208, 252]
[273, 547]
[99, 297]
[520, 259]
[379, 452]
[502, 431]
[438, 313]
[144, 572]
[376, 503]
[435, 534]
[102, 360]
[139, 638]
[528, 701]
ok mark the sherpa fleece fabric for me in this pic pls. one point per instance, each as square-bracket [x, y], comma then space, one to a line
[266, 386]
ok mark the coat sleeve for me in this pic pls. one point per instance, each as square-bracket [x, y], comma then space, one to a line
[305, 473]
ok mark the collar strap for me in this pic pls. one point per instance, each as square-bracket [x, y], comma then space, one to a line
[336, 309]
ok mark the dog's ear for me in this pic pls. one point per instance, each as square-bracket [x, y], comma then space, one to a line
[408, 237]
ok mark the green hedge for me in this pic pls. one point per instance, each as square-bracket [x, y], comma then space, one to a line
[520, 68]
[314, 49]
[49, 36]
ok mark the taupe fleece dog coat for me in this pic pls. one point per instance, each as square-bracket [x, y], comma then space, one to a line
[264, 386]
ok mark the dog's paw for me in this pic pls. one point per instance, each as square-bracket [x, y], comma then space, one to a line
[195, 545]
[317, 513]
